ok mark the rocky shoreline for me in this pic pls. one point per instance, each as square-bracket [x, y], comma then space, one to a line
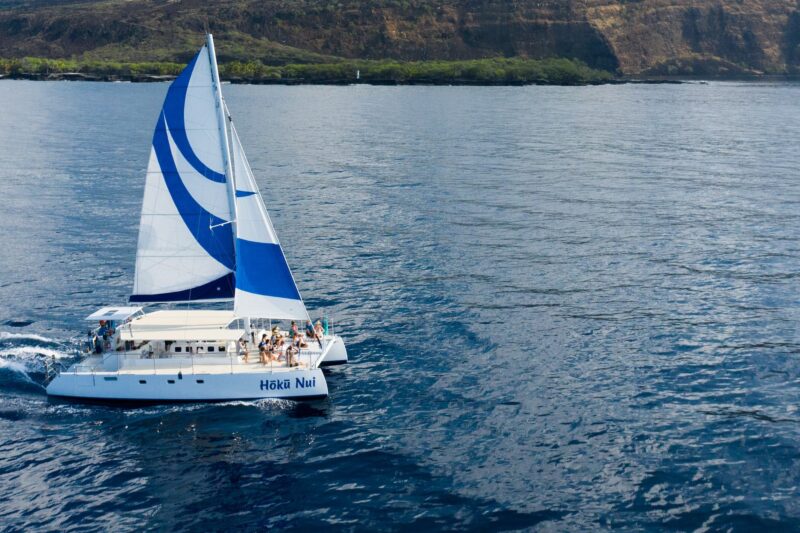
[149, 78]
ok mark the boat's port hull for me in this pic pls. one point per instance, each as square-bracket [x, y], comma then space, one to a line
[295, 384]
[337, 354]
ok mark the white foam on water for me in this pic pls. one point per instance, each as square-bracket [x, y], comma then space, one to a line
[25, 360]
[17, 367]
[25, 336]
[263, 403]
[271, 403]
[32, 352]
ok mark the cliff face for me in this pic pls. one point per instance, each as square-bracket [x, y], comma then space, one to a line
[631, 36]
[659, 36]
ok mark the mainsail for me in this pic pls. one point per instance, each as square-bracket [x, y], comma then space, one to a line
[186, 246]
[196, 241]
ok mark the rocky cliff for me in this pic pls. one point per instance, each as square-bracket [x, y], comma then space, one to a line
[633, 37]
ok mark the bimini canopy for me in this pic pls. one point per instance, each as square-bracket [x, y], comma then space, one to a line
[187, 325]
[113, 313]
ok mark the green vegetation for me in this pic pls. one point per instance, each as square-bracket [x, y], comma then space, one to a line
[37, 67]
[488, 71]
[494, 71]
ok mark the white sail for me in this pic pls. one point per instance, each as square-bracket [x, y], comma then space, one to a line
[264, 284]
[186, 236]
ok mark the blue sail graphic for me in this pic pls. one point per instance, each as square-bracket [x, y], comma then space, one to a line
[186, 238]
[265, 286]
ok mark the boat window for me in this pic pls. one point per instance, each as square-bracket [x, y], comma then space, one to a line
[171, 381]
[142, 381]
[210, 348]
[110, 378]
[220, 348]
[201, 381]
[177, 348]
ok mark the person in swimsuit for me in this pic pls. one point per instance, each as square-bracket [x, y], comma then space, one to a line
[298, 341]
[277, 348]
[263, 349]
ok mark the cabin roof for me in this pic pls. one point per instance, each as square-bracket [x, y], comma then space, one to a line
[184, 325]
[186, 318]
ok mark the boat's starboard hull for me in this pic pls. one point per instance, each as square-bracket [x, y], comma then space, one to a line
[337, 354]
[295, 385]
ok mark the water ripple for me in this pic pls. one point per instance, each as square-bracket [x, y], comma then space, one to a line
[566, 309]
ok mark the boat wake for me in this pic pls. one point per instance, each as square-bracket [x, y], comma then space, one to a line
[5, 335]
[23, 359]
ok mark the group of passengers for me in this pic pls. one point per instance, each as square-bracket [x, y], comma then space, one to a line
[274, 347]
[100, 339]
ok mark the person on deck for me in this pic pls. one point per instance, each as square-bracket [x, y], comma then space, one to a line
[297, 340]
[310, 330]
[277, 348]
[264, 349]
[243, 349]
[293, 330]
[276, 332]
[291, 355]
[324, 325]
[318, 329]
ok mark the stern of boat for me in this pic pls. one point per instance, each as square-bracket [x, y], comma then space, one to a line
[336, 354]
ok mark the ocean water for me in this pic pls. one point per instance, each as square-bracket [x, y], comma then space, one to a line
[566, 309]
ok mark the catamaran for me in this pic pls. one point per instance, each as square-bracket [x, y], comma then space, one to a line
[204, 236]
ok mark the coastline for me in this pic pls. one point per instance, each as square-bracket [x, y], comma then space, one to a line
[479, 72]
[77, 76]
[489, 71]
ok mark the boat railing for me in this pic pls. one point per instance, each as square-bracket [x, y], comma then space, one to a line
[83, 369]
[51, 369]
[193, 362]
[327, 344]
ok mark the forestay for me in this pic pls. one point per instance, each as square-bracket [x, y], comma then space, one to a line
[186, 240]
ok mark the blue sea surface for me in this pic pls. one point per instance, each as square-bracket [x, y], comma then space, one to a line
[566, 308]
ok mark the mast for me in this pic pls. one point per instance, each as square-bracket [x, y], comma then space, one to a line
[223, 133]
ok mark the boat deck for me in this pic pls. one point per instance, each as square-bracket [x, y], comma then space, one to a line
[199, 364]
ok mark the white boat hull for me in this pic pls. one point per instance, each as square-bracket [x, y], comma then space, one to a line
[337, 354]
[299, 384]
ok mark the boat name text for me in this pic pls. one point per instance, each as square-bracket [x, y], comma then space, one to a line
[286, 384]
